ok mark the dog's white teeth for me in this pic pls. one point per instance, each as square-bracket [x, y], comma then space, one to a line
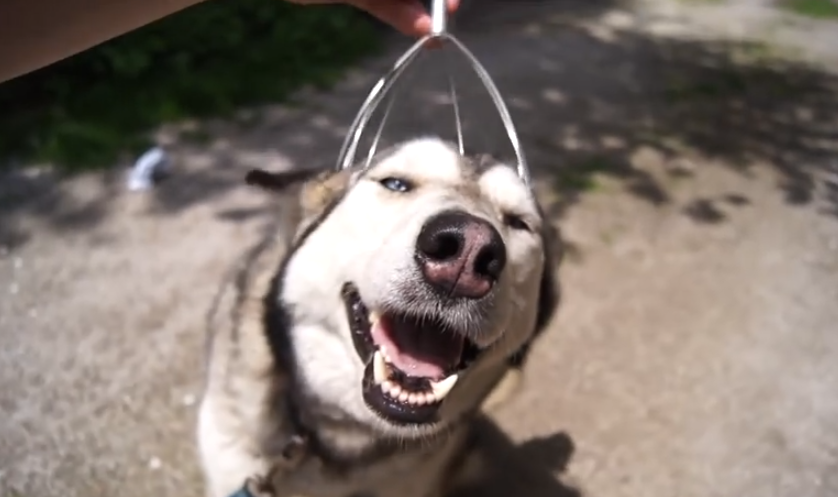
[379, 368]
[381, 374]
[374, 317]
[441, 388]
[416, 398]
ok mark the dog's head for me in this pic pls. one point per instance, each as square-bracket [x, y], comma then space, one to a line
[412, 283]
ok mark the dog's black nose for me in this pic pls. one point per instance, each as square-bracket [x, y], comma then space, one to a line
[460, 254]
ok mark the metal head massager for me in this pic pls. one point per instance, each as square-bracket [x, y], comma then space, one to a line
[439, 32]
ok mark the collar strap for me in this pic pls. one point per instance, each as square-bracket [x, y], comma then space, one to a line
[291, 455]
[242, 492]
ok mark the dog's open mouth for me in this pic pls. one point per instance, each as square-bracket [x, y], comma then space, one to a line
[412, 364]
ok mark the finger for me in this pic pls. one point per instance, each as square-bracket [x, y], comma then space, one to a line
[452, 6]
[407, 16]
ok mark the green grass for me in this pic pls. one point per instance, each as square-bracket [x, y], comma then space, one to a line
[712, 2]
[716, 83]
[747, 70]
[196, 136]
[581, 177]
[209, 60]
[819, 9]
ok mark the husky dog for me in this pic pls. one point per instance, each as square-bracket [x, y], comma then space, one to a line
[388, 306]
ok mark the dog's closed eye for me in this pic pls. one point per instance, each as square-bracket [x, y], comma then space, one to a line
[277, 181]
[516, 222]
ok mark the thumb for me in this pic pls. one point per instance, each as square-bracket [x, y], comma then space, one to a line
[407, 16]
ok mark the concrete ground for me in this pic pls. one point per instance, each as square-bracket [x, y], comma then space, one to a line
[695, 351]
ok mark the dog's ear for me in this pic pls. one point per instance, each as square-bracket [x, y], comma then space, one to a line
[324, 190]
[549, 294]
[278, 181]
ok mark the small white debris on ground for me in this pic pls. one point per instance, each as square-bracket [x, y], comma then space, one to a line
[189, 400]
[619, 19]
[18, 263]
[154, 463]
[152, 162]
[14, 288]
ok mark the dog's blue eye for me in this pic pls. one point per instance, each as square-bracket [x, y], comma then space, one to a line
[396, 185]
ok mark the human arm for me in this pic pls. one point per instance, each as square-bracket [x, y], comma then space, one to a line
[36, 33]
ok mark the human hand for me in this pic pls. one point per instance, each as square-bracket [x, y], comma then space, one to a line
[407, 16]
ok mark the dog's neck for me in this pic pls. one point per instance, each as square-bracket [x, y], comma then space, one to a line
[339, 442]
[332, 436]
[335, 434]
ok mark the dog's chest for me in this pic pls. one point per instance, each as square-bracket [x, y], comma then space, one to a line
[415, 474]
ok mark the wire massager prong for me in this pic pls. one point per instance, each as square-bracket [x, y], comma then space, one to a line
[384, 87]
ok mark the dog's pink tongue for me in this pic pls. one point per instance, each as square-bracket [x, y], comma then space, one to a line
[418, 350]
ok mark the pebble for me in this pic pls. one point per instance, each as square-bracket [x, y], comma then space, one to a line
[667, 28]
[619, 19]
[154, 463]
[681, 165]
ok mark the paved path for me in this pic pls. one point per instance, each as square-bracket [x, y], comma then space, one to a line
[694, 354]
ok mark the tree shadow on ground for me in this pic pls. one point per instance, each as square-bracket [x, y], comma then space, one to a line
[689, 105]
[41, 196]
[586, 105]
